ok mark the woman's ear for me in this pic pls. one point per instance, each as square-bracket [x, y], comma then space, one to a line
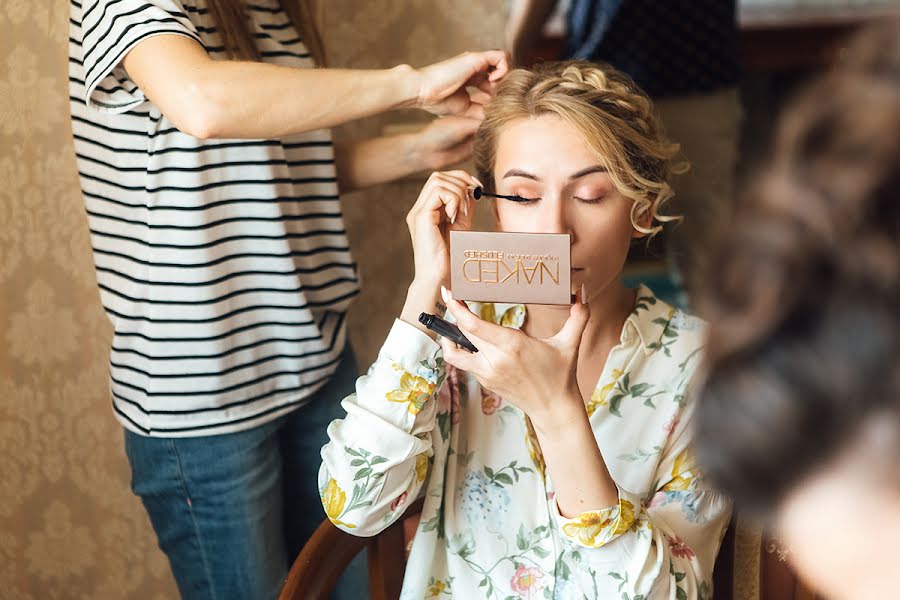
[641, 216]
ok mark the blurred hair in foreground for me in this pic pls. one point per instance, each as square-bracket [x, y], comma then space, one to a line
[803, 360]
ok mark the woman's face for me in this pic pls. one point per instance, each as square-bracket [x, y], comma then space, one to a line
[547, 159]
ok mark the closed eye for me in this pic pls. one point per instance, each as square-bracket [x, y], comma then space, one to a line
[590, 200]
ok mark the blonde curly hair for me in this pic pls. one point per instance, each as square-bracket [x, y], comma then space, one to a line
[610, 111]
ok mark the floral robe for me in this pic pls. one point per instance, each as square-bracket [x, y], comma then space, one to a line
[490, 526]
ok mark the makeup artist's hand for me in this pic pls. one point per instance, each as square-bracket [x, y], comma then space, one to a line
[537, 375]
[444, 204]
[445, 141]
[442, 86]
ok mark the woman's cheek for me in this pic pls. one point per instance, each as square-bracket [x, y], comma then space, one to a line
[517, 219]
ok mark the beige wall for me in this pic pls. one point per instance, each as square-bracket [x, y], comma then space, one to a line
[69, 526]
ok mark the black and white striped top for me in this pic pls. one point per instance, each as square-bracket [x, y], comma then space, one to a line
[222, 264]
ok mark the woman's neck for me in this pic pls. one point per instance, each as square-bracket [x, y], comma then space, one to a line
[609, 309]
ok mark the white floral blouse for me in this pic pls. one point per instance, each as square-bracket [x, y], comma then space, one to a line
[490, 526]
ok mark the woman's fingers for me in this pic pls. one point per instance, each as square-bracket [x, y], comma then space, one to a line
[461, 359]
[570, 335]
[445, 192]
[463, 180]
[458, 176]
[500, 60]
[443, 198]
[480, 97]
[496, 64]
[460, 182]
[480, 332]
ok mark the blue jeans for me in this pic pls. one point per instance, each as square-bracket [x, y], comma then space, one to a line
[232, 511]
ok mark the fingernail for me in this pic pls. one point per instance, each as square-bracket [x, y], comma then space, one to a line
[453, 217]
[584, 299]
[445, 294]
[475, 179]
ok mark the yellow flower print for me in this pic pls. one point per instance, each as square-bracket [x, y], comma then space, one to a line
[333, 500]
[487, 312]
[682, 473]
[598, 398]
[626, 518]
[534, 448]
[436, 589]
[421, 466]
[513, 317]
[413, 390]
[587, 526]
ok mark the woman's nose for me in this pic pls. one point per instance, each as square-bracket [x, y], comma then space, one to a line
[557, 217]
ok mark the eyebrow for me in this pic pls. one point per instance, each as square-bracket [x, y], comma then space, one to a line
[581, 173]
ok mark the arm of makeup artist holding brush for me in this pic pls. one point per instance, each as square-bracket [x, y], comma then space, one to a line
[209, 98]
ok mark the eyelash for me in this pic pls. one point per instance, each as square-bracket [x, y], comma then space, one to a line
[530, 201]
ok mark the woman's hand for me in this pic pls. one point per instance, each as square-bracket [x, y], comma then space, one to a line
[443, 204]
[442, 86]
[445, 141]
[537, 375]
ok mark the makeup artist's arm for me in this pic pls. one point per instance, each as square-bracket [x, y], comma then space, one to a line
[236, 99]
[445, 141]
[523, 28]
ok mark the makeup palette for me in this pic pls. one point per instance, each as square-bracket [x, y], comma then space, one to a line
[519, 268]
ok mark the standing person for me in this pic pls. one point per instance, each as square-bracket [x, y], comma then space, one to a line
[212, 186]
[683, 53]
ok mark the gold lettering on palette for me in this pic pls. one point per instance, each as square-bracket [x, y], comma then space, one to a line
[488, 266]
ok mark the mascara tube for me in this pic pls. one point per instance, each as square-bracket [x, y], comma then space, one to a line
[447, 330]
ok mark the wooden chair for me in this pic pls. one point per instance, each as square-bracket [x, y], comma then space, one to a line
[316, 571]
[723, 571]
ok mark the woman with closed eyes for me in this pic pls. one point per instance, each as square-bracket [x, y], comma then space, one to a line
[556, 461]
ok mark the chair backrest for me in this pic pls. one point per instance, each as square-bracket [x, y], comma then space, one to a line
[317, 569]
[723, 571]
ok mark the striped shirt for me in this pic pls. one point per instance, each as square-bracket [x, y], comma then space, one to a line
[223, 264]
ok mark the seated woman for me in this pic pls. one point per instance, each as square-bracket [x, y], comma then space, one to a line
[555, 462]
[800, 414]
